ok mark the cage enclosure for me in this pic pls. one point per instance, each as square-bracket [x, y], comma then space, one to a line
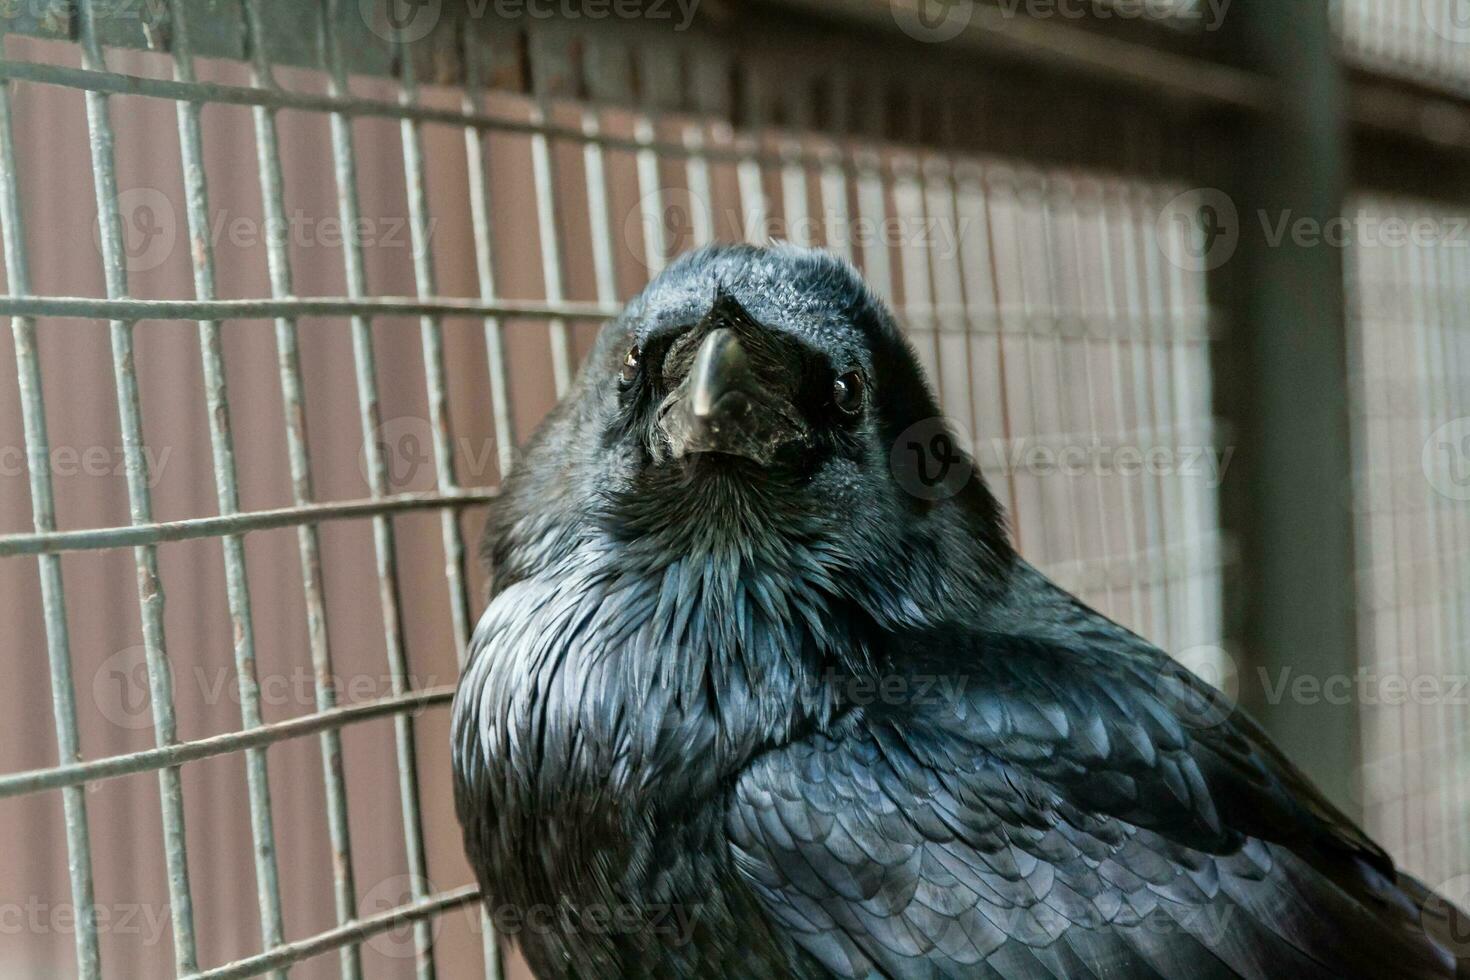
[289, 281]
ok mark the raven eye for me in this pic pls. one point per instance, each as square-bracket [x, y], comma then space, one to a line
[847, 393]
[631, 361]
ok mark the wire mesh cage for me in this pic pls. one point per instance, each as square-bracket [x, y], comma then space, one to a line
[288, 283]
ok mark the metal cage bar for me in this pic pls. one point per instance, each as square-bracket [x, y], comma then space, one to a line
[150, 586]
[278, 267]
[433, 347]
[178, 753]
[479, 194]
[267, 875]
[548, 231]
[345, 163]
[43, 510]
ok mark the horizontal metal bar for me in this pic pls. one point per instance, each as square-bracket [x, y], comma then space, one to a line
[117, 83]
[178, 753]
[89, 308]
[134, 535]
[352, 932]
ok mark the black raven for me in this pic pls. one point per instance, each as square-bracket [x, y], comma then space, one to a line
[757, 694]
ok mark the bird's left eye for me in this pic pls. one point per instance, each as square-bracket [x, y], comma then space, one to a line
[847, 393]
[631, 362]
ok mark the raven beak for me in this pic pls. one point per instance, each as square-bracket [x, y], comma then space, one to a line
[724, 408]
[720, 368]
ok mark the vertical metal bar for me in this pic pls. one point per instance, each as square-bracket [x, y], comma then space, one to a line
[1157, 330]
[598, 216]
[1459, 408]
[951, 339]
[267, 878]
[1458, 388]
[836, 230]
[749, 179]
[544, 173]
[150, 586]
[701, 197]
[345, 165]
[1289, 389]
[432, 332]
[1424, 293]
[914, 261]
[752, 188]
[1058, 214]
[794, 193]
[836, 225]
[650, 197]
[500, 402]
[1110, 223]
[986, 387]
[872, 209]
[1131, 216]
[43, 511]
[278, 260]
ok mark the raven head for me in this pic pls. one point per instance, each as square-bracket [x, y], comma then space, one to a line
[767, 391]
[735, 388]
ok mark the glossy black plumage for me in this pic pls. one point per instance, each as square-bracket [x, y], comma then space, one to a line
[754, 712]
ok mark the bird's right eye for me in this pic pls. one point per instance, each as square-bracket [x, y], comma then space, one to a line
[631, 362]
